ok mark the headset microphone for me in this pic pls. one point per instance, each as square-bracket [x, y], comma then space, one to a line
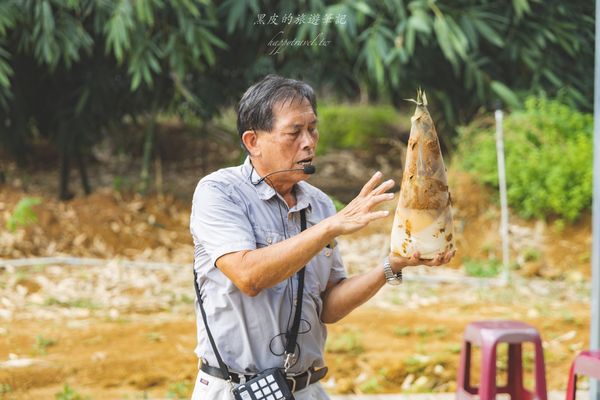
[307, 169]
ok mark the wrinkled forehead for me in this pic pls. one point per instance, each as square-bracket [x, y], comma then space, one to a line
[294, 111]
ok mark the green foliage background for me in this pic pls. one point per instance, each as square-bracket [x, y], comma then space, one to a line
[71, 70]
[549, 157]
[354, 126]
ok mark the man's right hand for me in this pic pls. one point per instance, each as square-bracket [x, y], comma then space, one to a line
[358, 213]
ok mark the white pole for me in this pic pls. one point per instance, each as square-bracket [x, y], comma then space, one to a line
[503, 199]
[595, 317]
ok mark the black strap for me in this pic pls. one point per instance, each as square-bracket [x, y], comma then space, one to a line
[291, 335]
[224, 370]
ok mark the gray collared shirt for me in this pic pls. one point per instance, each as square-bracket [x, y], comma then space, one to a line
[229, 214]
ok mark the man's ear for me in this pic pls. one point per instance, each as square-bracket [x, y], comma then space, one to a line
[250, 140]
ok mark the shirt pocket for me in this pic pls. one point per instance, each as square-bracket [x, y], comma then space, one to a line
[266, 236]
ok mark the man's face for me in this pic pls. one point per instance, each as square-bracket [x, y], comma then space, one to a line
[291, 142]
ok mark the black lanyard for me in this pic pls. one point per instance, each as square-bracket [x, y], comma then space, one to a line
[291, 335]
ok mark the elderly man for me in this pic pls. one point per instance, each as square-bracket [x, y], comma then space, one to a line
[249, 247]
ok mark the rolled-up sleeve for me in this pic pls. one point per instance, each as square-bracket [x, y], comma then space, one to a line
[219, 223]
[338, 272]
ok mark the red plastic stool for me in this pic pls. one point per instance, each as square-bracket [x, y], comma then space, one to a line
[586, 363]
[487, 335]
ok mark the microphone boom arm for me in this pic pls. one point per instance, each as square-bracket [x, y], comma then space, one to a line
[307, 169]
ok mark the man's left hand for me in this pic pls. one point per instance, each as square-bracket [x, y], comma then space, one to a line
[397, 262]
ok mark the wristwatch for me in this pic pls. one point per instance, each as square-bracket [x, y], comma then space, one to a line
[391, 277]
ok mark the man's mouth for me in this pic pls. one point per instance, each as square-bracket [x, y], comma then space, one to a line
[306, 161]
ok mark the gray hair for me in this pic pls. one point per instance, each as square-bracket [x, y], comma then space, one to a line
[255, 111]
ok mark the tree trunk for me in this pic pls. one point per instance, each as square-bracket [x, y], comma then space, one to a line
[158, 181]
[83, 173]
[147, 154]
[65, 169]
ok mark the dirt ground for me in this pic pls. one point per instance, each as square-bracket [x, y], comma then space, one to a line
[407, 339]
[121, 333]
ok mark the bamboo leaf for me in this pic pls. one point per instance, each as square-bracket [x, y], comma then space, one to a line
[363, 7]
[5, 74]
[409, 42]
[442, 33]
[420, 21]
[236, 12]
[521, 7]
[208, 52]
[488, 33]
[136, 79]
[153, 63]
[551, 76]
[118, 29]
[212, 38]
[505, 94]
[457, 38]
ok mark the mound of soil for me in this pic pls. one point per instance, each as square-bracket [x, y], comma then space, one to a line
[113, 222]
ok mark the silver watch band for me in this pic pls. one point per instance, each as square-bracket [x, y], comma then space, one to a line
[391, 277]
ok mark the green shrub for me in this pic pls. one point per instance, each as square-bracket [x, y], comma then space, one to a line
[41, 345]
[180, 390]
[548, 152]
[345, 343]
[68, 393]
[482, 269]
[372, 385]
[402, 331]
[23, 213]
[337, 203]
[354, 126]
[5, 388]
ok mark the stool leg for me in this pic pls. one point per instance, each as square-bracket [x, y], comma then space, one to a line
[464, 369]
[487, 388]
[467, 370]
[515, 372]
[572, 385]
[540, 371]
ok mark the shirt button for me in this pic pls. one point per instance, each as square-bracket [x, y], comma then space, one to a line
[269, 240]
[327, 253]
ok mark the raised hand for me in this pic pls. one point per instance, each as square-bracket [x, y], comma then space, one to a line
[357, 214]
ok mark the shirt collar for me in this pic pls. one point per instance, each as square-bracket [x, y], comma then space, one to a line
[266, 192]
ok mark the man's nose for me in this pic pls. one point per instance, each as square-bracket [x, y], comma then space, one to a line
[309, 140]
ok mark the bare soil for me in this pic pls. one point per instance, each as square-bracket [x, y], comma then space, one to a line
[407, 339]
